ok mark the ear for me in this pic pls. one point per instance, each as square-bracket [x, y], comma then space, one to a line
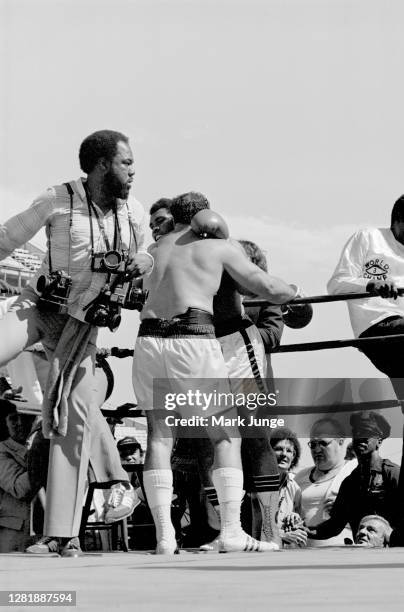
[103, 164]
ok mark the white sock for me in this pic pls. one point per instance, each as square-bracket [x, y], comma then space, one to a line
[228, 483]
[158, 485]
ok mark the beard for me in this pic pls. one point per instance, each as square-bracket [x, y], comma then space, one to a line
[114, 187]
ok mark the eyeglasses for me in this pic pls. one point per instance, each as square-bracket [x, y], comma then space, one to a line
[323, 443]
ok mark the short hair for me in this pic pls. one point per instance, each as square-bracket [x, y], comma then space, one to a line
[255, 254]
[372, 517]
[101, 144]
[397, 213]
[186, 205]
[284, 433]
[161, 203]
[387, 527]
[335, 431]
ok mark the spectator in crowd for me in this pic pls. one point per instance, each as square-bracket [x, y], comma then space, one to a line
[372, 487]
[287, 450]
[130, 451]
[16, 491]
[6, 406]
[320, 484]
[373, 531]
[349, 452]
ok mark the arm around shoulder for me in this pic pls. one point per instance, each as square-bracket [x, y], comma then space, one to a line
[252, 278]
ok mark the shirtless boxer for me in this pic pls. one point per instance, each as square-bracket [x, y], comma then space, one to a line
[243, 348]
[176, 341]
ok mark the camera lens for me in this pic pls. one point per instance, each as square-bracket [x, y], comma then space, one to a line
[42, 283]
[112, 259]
[114, 322]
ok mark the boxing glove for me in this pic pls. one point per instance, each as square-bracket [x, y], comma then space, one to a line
[208, 224]
[297, 316]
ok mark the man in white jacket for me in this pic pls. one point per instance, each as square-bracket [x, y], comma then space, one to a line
[373, 260]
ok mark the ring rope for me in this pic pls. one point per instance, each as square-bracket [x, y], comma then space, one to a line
[331, 344]
[280, 410]
[318, 299]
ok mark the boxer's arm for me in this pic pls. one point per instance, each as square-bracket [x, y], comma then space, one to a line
[22, 227]
[248, 275]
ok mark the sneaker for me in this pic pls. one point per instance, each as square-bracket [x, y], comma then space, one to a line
[45, 545]
[71, 548]
[121, 503]
[245, 543]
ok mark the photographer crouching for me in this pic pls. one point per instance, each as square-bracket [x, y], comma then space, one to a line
[95, 238]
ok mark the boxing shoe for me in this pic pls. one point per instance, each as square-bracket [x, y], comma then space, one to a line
[242, 542]
[208, 224]
[121, 502]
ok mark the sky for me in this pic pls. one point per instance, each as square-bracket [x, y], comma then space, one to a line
[287, 114]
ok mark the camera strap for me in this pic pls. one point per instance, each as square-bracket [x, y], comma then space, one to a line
[132, 230]
[70, 192]
[92, 209]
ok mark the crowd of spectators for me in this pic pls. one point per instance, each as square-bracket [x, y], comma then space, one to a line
[349, 496]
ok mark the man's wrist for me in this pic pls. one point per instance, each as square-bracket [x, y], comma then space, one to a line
[152, 262]
[297, 290]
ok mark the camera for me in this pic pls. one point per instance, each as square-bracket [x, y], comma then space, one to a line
[109, 261]
[135, 296]
[128, 294]
[55, 289]
[104, 311]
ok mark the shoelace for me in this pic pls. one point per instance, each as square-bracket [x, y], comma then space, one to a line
[51, 543]
[116, 496]
[267, 522]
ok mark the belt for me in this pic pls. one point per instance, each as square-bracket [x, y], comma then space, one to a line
[231, 326]
[193, 322]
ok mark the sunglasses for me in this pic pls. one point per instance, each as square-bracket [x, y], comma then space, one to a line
[323, 443]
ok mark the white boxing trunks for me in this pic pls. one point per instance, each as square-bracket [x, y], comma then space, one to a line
[171, 356]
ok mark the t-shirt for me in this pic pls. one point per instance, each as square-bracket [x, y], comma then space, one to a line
[314, 497]
[370, 254]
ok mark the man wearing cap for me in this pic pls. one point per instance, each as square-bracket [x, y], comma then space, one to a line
[130, 450]
[372, 487]
[16, 490]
